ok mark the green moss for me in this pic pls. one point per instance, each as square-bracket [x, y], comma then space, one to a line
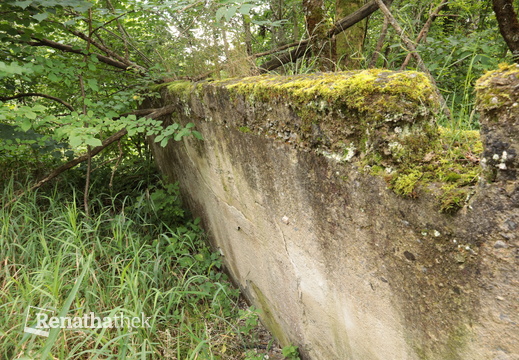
[384, 117]
[405, 184]
[244, 129]
[377, 93]
[181, 88]
[453, 199]
[489, 87]
[451, 163]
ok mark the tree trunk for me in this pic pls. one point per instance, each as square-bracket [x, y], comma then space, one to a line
[348, 45]
[320, 44]
[508, 25]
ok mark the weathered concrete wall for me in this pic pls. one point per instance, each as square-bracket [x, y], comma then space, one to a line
[291, 182]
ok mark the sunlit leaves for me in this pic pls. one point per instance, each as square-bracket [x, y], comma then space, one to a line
[232, 8]
[13, 69]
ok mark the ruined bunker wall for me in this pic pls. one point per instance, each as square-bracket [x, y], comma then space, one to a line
[337, 262]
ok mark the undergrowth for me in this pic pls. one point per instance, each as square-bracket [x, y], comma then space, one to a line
[137, 255]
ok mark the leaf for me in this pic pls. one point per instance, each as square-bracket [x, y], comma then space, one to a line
[52, 77]
[92, 84]
[231, 12]
[40, 17]
[25, 125]
[30, 115]
[220, 13]
[23, 4]
[245, 9]
[197, 135]
[75, 141]
[93, 142]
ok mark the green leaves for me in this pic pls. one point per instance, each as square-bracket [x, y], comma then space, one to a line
[13, 69]
[84, 136]
[176, 133]
[40, 17]
[234, 7]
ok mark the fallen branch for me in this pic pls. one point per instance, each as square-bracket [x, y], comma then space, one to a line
[337, 28]
[380, 43]
[72, 163]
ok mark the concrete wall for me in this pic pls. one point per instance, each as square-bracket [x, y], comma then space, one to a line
[339, 264]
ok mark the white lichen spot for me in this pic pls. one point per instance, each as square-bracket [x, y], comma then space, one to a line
[504, 156]
[322, 105]
[398, 130]
[494, 100]
[436, 233]
[395, 147]
[285, 220]
[349, 152]
[502, 166]
[495, 157]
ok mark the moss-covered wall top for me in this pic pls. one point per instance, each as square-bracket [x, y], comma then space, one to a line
[384, 121]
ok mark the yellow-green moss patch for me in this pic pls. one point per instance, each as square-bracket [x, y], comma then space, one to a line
[491, 85]
[452, 164]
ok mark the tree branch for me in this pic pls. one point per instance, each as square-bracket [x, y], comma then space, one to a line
[108, 141]
[337, 28]
[508, 25]
[412, 48]
[18, 96]
[425, 29]
[70, 49]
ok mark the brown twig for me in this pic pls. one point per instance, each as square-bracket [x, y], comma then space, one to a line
[380, 43]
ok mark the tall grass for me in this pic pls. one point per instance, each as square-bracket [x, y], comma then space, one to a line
[122, 260]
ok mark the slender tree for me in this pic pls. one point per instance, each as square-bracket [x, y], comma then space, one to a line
[508, 25]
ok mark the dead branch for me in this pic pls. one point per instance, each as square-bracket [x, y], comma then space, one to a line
[425, 29]
[380, 43]
[18, 96]
[337, 28]
[411, 47]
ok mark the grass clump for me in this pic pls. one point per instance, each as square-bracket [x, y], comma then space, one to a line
[128, 259]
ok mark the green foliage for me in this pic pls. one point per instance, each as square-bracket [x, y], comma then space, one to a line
[291, 352]
[60, 84]
[120, 260]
